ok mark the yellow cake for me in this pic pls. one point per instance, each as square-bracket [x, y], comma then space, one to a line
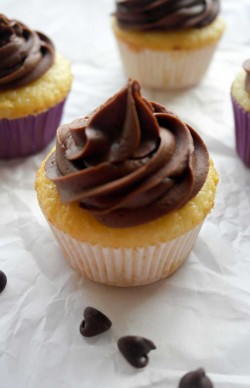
[239, 92]
[82, 226]
[42, 94]
[111, 229]
[173, 40]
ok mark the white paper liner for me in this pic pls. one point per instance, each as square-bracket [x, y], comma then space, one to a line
[126, 266]
[173, 69]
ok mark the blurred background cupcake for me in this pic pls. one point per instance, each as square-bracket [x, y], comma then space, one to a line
[167, 43]
[34, 84]
[127, 190]
[240, 93]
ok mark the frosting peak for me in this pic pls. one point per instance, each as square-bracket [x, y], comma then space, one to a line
[246, 67]
[25, 55]
[165, 15]
[129, 162]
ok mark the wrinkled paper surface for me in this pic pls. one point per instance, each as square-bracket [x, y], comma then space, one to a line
[197, 318]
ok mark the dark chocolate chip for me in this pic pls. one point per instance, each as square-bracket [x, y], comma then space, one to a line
[135, 350]
[3, 281]
[94, 322]
[195, 379]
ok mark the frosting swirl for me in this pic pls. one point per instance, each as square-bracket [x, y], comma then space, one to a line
[246, 67]
[129, 162]
[25, 55]
[165, 15]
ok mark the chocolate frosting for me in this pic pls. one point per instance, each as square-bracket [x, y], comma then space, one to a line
[129, 162]
[165, 15]
[246, 67]
[25, 55]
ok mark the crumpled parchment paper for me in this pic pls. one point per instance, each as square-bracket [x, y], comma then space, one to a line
[197, 318]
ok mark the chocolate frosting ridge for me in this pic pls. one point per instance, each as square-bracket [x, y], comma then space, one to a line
[25, 55]
[129, 162]
[165, 15]
[246, 67]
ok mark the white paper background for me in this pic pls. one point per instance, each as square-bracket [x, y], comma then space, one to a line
[198, 317]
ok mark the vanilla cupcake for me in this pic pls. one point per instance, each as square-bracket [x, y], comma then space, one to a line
[167, 44]
[34, 84]
[126, 190]
[240, 94]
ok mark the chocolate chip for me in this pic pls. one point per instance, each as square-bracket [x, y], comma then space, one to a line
[94, 322]
[135, 350]
[3, 281]
[195, 379]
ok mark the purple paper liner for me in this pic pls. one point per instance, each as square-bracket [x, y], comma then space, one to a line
[28, 135]
[242, 132]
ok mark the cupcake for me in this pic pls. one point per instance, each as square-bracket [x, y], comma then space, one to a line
[240, 94]
[167, 43]
[34, 84]
[126, 190]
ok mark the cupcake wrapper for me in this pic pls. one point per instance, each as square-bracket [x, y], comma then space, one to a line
[126, 266]
[27, 135]
[176, 69]
[242, 132]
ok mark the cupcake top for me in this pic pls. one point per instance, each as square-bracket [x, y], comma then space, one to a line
[25, 55]
[129, 162]
[246, 67]
[240, 90]
[165, 15]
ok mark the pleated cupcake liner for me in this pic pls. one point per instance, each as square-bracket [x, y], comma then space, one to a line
[30, 134]
[173, 69]
[125, 267]
[242, 132]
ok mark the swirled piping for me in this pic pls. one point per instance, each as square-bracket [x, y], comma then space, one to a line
[129, 162]
[25, 55]
[165, 15]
